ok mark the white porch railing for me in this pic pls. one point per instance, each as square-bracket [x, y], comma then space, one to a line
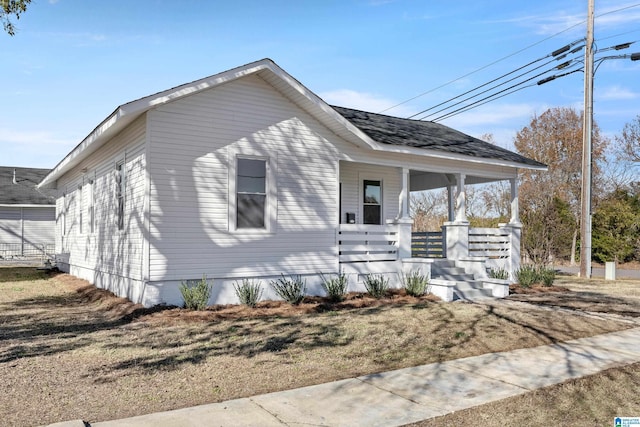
[363, 242]
[492, 243]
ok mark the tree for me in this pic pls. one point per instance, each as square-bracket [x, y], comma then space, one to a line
[629, 141]
[616, 227]
[9, 8]
[555, 139]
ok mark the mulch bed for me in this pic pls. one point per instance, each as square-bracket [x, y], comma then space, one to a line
[117, 307]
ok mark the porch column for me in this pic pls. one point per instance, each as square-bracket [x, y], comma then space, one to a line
[461, 199]
[515, 234]
[456, 232]
[515, 208]
[451, 205]
[403, 211]
[404, 221]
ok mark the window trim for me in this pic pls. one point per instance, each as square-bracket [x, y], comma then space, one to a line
[364, 178]
[121, 194]
[79, 207]
[91, 210]
[270, 214]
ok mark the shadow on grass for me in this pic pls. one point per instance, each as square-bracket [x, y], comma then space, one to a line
[583, 301]
[94, 319]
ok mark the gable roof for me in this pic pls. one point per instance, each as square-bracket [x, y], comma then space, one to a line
[428, 135]
[272, 74]
[23, 190]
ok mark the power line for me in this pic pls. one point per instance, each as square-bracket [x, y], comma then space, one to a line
[482, 68]
[494, 96]
[481, 86]
[498, 61]
[563, 65]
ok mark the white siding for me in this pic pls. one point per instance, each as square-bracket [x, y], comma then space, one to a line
[27, 225]
[39, 225]
[10, 225]
[192, 143]
[108, 251]
[352, 176]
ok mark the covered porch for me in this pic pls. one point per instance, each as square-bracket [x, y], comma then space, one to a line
[391, 245]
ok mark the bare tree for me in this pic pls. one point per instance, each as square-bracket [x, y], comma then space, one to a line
[555, 138]
[628, 143]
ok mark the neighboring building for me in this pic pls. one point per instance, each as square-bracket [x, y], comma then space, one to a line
[27, 214]
[249, 174]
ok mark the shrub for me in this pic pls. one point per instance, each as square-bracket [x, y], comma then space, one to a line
[248, 292]
[415, 284]
[377, 286]
[290, 289]
[547, 276]
[196, 293]
[499, 273]
[335, 286]
[527, 275]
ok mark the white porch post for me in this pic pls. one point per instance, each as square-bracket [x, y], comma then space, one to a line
[515, 207]
[403, 211]
[461, 199]
[404, 221]
[451, 205]
[457, 231]
[514, 228]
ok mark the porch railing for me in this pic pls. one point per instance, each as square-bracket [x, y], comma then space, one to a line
[364, 243]
[492, 243]
[427, 244]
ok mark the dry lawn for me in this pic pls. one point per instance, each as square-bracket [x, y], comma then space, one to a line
[590, 401]
[69, 351]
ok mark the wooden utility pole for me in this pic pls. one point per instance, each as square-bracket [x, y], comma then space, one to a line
[587, 148]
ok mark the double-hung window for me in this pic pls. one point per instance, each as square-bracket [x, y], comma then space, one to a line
[121, 183]
[251, 193]
[372, 202]
[91, 207]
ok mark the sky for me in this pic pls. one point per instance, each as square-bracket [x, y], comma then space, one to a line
[73, 62]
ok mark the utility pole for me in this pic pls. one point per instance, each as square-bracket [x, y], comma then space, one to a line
[587, 133]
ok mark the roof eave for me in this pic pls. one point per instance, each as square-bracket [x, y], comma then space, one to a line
[130, 111]
[436, 154]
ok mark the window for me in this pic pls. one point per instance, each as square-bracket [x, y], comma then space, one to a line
[121, 182]
[372, 202]
[79, 208]
[63, 215]
[91, 209]
[251, 193]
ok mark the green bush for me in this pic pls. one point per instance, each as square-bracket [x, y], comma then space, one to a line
[290, 289]
[196, 293]
[377, 286]
[248, 292]
[547, 276]
[499, 273]
[335, 286]
[415, 284]
[527, 275]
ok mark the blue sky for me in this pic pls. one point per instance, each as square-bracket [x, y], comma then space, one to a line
[72, 62]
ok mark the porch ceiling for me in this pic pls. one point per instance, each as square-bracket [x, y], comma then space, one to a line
[421, 181]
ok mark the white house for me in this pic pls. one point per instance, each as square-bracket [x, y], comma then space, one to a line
[27, 215]
[249, 174]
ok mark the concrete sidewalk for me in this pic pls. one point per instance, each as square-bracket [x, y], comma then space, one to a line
[408, 395]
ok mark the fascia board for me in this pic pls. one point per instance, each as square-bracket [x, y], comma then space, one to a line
[460, 157]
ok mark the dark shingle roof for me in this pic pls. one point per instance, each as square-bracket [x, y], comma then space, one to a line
[428, 135]
[24, 191]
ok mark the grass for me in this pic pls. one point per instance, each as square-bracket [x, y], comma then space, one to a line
[589, 401]
[69, 351]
